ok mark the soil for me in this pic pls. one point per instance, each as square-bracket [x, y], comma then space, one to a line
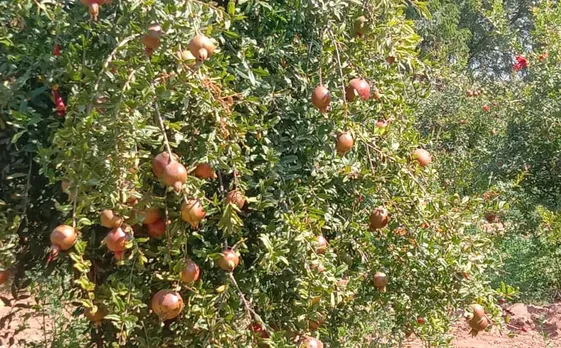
[528, 326]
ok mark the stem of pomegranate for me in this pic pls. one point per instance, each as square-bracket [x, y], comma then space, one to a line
[161, 123]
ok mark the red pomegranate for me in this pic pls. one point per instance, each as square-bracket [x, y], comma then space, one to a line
[321, 246]
[204, 171]
[157, 229]
[116, 241]
[109, 219]
[310, 342]
[236, 197]
[423, 157]
[201, 47]
[192, 211]
[358, 87]
[175, 175]
[63, 237]
[190, 272]
[160, 162]
[229, 260]
[380, 281]
[378, 218]
[151, 215]
[167, 304]
[344, 143]
[259, 330]
[381, 123]
[321, 98]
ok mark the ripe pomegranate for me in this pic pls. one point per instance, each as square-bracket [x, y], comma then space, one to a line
[116, 241]
[358, 87]
[175, 175]
[155, 30]
[151, 215]
[486, 108]
[315, 323]
[321, 246]
[423, 157]
[420, 320]
[381, 123]
[167, 304]
[380, 281]
[151, 40]
[469, 93]
[63, 237]
[192, 212]
[56, 50]
[109, 219]
[478, 324]
[157, 229]
[321, 98]
[190, 272]
[229, 260]
[344, 143]
[98, 316]
[205, 171]
[390, 59]
[236, 197]
[378, 218]
[478, 310]
[201, 47]
[360, 27]
[4, 276]
[311, 342]
[160, 162]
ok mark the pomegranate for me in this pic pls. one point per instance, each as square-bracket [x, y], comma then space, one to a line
[378, 218]
[311, 342]
[201, 47]
[321, 247]
[380, 281]
[157, 229]
[420, 320]
[116, 241]
[175, 175]
[235, 197]
[151, 215]
[315, 323]
[192, 212]
[469, 93]
[4, 276]
[486, 108]
[423, 157]
[98, 316]
[381, 123]
[63, 237]
[65, 185]
[344, 143]
[56, 50]
[204, 171]
[190, 272]
[358, 87]
[321, 98]
[155, 30]
[478, 310]
[109, 219]
[160, 162]
[390, 59]
[478, 324]
[360, 27]
[187, 57]
[229, 260]
[167, 304]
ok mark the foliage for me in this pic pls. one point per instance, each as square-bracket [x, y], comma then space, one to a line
[247, 111]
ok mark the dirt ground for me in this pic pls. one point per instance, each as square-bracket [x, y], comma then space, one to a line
[528, 326]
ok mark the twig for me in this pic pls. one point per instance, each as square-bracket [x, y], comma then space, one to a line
[250, 312]
[106, 64]
[161, 122]
[27, 186]
[370, 159]
[340, 72]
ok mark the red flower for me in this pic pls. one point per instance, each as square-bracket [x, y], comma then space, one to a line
[521, 63]
[56, 50]
[543, 56]
[486, 108]
[59, 102]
